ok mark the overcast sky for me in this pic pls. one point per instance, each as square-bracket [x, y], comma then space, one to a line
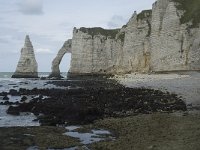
[50, 22]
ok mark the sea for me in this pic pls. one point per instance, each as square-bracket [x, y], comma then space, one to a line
[7, 83]
[40, 74]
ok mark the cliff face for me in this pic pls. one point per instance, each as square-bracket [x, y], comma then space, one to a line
[174, 46]
[27, 66]
[136, 48]
[94, 50]
[160, 39]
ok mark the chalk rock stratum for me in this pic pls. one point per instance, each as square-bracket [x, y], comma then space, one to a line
[27, 66]
[165, 38]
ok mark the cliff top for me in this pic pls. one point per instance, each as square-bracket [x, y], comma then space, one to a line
[97, 30]
[144, 14]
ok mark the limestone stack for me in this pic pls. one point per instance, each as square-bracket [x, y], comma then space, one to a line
[27, 66]
[66, 48]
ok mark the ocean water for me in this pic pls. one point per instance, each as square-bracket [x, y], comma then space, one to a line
[7, 83]
[41, 74]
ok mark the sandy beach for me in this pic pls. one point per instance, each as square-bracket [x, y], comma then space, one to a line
[185, 84]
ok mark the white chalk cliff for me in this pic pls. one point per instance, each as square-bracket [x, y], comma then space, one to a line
[152, 41]
[27, 66]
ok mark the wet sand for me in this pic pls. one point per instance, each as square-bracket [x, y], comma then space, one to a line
[152, 132]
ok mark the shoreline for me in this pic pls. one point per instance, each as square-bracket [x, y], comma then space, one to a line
[99, 103]
[164, 83]
[84, 101]
[184, 84]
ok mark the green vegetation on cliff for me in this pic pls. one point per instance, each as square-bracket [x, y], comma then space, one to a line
[124, 26]
[96, 31]
[191, 10]
[144, 14]
[121, 36]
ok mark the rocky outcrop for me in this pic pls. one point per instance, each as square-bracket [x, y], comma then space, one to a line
[27, 66]
[152, 41]
[56, 62]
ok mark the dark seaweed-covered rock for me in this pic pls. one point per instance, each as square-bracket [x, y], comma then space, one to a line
[3, 94]
[9, 103]
[13, 110]
[6, 98]
[93, 100]
[23, 98]
[13, 92]
[5, 103]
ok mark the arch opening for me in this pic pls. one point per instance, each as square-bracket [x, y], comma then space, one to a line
[65, 64]
[64, 51]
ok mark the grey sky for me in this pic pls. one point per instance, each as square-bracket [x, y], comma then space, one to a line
[49, 23]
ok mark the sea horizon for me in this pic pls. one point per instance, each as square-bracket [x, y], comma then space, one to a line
[40, 74]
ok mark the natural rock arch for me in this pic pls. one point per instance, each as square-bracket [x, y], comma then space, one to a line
[56, 62]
